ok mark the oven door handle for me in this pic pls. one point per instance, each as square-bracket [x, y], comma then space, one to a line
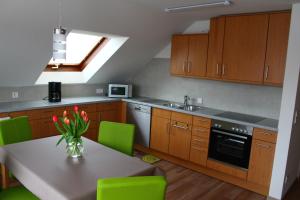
[229, 134]
[237, 141]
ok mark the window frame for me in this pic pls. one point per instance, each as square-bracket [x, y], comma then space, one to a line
[81, 66]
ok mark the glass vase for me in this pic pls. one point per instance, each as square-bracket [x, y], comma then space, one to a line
[75, 148]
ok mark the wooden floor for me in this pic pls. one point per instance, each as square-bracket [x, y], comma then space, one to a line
[190, 185]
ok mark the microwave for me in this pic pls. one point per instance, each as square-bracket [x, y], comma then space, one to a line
[119, 90]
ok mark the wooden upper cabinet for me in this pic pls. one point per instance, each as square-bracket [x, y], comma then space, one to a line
[179, 54]
[245, 48]
[215, 48]
[196, 63]
[278, 34]
[189, 55]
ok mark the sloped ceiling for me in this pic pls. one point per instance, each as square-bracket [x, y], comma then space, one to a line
[26, 31]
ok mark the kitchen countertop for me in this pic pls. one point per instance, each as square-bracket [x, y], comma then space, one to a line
[27, 105]
[269, 124]
[265, 123]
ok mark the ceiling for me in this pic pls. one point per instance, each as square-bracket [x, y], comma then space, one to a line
[26, 31]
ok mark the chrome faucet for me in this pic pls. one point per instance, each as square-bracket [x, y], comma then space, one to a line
[186, 100]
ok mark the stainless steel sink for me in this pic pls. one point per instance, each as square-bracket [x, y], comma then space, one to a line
[182, 107]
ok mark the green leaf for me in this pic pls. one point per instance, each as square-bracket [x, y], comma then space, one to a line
[61, 139]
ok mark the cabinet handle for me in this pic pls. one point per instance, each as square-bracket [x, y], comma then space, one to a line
[181, 127]
[264, 146]
[183, 66]
[217, 69]
[223, 70]
[189, 66]
[267, 72]
[168, 128]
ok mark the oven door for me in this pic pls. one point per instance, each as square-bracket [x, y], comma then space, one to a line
[230, 147]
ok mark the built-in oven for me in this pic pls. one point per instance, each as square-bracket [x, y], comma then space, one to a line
[230, 143]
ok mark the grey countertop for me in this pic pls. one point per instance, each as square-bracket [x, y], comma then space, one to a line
[269, 124]
[27, 105]
[265, 123]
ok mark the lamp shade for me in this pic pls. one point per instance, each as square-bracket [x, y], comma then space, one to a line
[59, 45]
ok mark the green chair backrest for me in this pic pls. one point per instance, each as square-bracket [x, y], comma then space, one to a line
[15, 130]
[117, 136]
[132, 188]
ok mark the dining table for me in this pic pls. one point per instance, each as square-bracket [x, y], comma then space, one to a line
[46, 170]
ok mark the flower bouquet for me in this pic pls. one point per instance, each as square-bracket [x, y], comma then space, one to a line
[72, 127]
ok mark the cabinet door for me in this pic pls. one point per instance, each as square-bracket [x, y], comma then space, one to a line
[197, 56]
[261, 162]
[180, 140]
[278, 35]
[109, 115]
[215, 48]
[245, 48]
[179, 54]
[160, 128]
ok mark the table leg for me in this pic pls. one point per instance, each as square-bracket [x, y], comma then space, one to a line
[5, 177]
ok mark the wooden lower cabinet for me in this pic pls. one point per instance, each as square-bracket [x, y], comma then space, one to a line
[261, 162]
[43, 126]
[180, 140]
[199, 145]
[160, 134]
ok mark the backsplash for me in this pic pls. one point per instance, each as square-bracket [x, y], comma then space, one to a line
[155, 81]
[32, 93]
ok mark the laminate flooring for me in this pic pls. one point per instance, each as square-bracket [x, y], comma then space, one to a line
[185, 184]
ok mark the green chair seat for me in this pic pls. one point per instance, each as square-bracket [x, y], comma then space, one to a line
[132, 188]
[117, 136]
[17, 193]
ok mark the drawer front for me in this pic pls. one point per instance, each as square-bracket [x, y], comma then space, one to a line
[265, 135]
[198, 156]
[48, 113]
[108, 106]
[201, 132]
[17, 114]
[86, 107]
[179, 117]
[202, 122]
[4, 114]
[34, 114]
[161, 113]
[199, 142]
[227, 169]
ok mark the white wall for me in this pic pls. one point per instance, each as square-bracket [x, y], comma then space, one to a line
[278, 188]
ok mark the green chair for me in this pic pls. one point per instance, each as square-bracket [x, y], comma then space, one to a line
[132, 188]
[14, 131]
[117, 136]
[17, 193]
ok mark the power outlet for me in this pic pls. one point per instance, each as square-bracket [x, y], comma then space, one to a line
[99, 91]
[15, 95]
[199, 100]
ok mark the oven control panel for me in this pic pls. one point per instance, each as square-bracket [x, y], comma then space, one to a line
[232, 127]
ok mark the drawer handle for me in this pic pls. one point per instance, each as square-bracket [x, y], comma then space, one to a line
[264, 146]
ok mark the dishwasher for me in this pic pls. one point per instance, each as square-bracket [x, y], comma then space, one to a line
[140, 116]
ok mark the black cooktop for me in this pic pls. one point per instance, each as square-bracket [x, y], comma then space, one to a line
[241, 117]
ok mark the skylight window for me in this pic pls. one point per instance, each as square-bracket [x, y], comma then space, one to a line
[87, 52]
[79, 45]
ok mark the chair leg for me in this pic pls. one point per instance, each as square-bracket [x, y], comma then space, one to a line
[5, 177]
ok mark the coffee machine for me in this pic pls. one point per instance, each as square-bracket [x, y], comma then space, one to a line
[54, 91]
